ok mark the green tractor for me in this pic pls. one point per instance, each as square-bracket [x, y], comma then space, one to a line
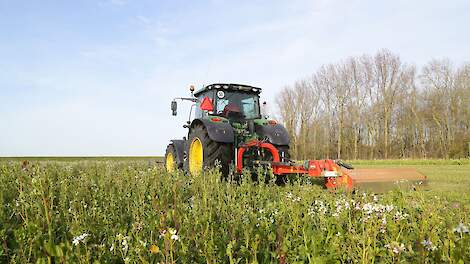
[228, 130]
[227, 117]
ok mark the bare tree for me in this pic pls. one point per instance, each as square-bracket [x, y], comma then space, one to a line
[374, 107]
[286, 102]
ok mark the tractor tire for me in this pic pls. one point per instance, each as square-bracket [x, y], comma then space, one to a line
[170, 159]
[203, 152]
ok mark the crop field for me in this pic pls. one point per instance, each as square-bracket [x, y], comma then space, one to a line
[132, 211]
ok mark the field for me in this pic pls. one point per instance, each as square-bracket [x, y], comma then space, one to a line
[131, 211]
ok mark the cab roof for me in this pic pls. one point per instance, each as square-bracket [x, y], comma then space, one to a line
[229, 87]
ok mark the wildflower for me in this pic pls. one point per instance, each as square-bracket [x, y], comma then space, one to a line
[461, 228]
[138, 226]
[428, 245]
[162, 234]
[111, 249]
[395, 247]
[175, 237]
[319, 207]
[384, 220]
[76, 240]
[400, 216]
[154, 249]
[398, 248]
[143, 243]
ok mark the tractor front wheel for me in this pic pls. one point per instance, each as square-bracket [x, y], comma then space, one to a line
[170, 159]
[203, 152]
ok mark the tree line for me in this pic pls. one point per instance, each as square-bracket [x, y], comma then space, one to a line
[377, 106]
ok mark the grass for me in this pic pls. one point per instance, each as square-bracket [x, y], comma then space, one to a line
[130, 210]
[447, 178]
[87, 158]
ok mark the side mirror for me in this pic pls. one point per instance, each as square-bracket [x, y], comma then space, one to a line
[174, 107]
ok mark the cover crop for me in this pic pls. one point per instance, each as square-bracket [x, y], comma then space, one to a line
[133, 211]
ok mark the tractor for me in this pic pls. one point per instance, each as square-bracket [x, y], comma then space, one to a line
[230, 132]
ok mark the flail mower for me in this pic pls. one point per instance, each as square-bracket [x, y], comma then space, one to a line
[229, 131]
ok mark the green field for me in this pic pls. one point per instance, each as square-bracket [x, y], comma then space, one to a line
[128, 210]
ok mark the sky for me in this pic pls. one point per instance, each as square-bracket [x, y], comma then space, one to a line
[90, 78]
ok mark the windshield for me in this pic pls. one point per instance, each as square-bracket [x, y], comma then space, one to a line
[237, 105]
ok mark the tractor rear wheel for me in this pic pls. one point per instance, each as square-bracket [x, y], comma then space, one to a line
[170, 159]
[203, 152]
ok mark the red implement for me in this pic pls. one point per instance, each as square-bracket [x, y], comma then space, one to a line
[327, 169]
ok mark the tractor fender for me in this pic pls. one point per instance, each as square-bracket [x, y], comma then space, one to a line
[275, 134]
[218, 132]
[179, 146]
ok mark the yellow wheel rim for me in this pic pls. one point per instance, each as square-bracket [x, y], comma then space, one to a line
[195, 157]
[170, 162]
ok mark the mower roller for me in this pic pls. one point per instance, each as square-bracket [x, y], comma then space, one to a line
[229, 131]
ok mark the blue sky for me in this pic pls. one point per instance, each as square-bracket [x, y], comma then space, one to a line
[97, 77]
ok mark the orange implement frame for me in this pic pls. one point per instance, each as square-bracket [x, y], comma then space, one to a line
[333, 175]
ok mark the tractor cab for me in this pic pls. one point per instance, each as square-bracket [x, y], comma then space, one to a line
[230, 101]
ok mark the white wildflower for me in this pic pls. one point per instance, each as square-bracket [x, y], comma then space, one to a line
[397, 249]
[125, 245]
[76, 240]
[384, 220]
[292, 197]
[319, 207]
[461, 229]
[400, 216]
[143, 243]
[175, 237]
